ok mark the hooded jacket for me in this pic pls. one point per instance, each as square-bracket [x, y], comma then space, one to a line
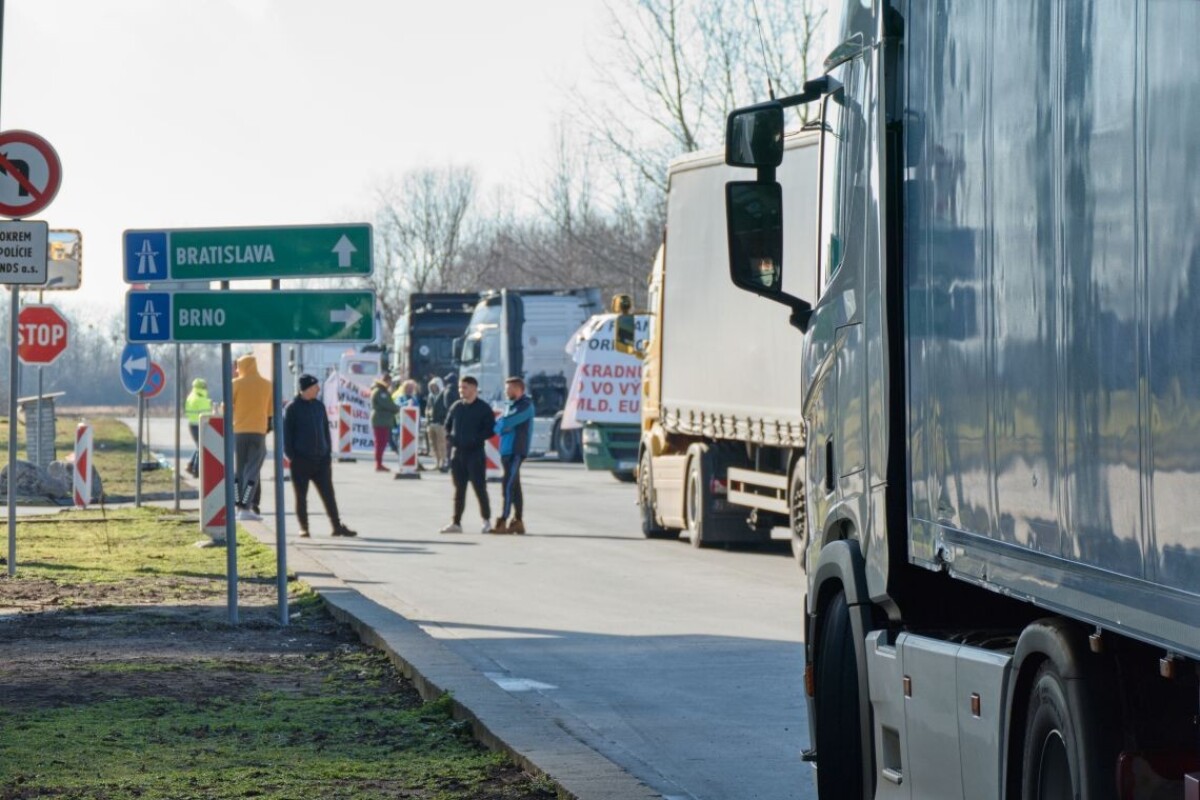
[251, 398]
[383, 408]
[198, 402]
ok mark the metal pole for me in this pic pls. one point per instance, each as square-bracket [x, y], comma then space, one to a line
[280, 509]
[178, 416]
[40, 435]
[14, 377]
[137, 478]
[231, 575]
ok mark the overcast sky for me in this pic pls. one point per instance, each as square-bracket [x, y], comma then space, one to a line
[192, 113]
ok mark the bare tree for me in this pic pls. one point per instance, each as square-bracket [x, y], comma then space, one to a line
[420, 232]
[674, 69]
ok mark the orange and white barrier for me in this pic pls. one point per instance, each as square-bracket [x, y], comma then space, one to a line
[81, 474]
[409, 430]
[345, 440]
[495, 467]
[212, 476]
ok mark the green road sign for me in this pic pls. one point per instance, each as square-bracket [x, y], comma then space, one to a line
[266, 316]
[299, 251]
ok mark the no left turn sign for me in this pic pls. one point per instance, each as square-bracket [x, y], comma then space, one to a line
[30, 173]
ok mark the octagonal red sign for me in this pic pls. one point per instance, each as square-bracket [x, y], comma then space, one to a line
[43, 334]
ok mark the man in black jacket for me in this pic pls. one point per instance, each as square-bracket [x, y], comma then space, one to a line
[307, 444]
[469, 424]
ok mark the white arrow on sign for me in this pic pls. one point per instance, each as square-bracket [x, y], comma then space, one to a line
[344, 250]
[347, 316]
[134, 363]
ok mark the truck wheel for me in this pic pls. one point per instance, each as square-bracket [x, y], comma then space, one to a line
[797, 513]
[650, 527]
[697, 501]
[838, 738]
[568, 445]
[1064, 754]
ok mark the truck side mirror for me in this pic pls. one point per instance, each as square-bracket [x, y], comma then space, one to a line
[456, 348]
[754, 220]
[754, 136]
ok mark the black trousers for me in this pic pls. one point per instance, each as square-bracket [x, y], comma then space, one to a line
[319, 472]
[469, 468]
[514, 501]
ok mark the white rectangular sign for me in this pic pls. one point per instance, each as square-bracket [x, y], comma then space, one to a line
[23, 252]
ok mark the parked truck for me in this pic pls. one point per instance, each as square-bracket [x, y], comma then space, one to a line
[525, 332]
[722, 432]
[1001, 395]
[604, 402]
[425, 332]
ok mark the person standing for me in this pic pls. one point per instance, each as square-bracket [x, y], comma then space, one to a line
[252, 401]
[198, 403]
[436, 408]
[383, 417]
[309, 448]
[469, 424]
[515, 428]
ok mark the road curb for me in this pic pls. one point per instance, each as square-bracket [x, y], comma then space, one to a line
[536, 743]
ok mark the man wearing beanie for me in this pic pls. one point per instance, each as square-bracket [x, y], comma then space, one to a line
[307, 444]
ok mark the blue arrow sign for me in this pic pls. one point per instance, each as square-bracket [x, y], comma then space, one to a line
[135, 367]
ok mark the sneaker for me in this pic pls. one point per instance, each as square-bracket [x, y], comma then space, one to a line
[246, 515]
[501, 526]
[487, 527]
[453, 527]
[341, 530]
[304, 534]
[516, 526]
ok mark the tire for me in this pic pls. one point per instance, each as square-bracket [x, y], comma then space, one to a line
[624, 475]
[697, 502]
[650, 527]
[838, 734]
[568, 445]
[1066, 753]
[798, 514]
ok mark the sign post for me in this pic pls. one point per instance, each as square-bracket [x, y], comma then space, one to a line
[30, 174]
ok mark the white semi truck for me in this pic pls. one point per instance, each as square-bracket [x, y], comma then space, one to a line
[722, 441]
[1001, 395]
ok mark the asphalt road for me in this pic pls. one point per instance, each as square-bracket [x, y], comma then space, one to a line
[681, 665]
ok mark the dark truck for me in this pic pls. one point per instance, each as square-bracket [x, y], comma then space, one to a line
[1001, 395]
[425, 333]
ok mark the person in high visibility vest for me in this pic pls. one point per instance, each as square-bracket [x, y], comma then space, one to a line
[198, 402]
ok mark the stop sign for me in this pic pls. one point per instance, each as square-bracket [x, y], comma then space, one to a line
[42, 334]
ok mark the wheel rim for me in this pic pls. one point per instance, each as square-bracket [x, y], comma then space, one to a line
[797, 506]
[643, 479]
[1054, 773]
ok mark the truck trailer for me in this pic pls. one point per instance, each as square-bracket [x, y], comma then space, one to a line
[1001, 395]
[524, 332]
[722, 431]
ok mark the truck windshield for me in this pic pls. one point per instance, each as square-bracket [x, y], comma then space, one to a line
[486, 313]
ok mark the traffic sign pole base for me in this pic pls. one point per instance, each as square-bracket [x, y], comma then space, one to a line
[403, 476]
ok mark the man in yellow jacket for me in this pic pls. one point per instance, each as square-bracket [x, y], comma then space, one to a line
[198, 403]
[252, 405]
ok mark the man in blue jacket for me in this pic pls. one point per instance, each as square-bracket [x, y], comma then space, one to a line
[515, 428]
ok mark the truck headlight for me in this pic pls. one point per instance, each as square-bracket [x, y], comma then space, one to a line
[591, 436]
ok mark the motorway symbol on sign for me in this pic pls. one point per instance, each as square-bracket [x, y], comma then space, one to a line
[30, 173]
[300, 251]
[135, 367]
[23, 252]
[43, 334]
[156, 381]
[259, 316]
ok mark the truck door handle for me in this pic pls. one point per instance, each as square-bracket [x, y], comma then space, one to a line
[829, 482]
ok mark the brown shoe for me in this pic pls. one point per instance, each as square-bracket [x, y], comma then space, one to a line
[501, 526]
[516, 526]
